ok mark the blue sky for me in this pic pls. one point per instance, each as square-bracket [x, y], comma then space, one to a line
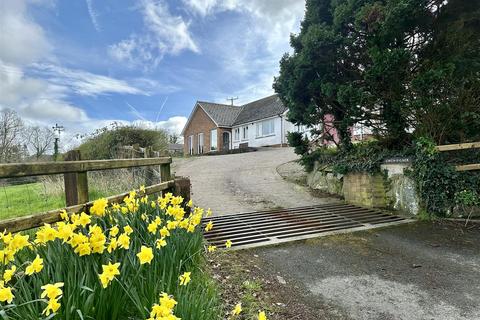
[87, 63]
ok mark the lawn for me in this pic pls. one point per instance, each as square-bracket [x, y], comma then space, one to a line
[25, 199]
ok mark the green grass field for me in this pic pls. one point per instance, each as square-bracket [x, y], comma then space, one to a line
[21, 200]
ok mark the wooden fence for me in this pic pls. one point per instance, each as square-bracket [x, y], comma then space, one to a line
[462, 146]
[76, 184]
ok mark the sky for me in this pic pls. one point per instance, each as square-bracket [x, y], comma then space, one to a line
[87, 63]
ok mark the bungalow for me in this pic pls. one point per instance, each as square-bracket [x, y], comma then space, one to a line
[212, 127]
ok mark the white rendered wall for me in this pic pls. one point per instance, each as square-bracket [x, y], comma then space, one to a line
[281, 127]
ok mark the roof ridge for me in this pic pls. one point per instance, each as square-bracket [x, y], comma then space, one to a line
[220, 104]
[264, 98]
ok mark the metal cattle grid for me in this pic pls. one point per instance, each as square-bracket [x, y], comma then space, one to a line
[262, 228]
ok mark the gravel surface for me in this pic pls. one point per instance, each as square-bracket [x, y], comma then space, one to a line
[245, 182]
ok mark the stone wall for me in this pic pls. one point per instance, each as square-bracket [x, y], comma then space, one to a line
[391, 190]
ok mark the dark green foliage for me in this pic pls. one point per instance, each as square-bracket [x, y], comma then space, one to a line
[438, 184]
[361, 157]
[392, 64]
[106, 142]
[298, 141]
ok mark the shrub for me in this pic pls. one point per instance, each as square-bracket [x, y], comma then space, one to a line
[114, 264]
[104, 143]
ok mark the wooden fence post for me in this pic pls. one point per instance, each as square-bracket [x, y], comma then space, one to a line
[76, 184]
[165, 174]
[182, 187]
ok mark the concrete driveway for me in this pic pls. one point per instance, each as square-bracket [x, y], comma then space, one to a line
[419, 271]
[244, 182]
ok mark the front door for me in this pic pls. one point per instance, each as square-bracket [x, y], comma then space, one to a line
[226, 141]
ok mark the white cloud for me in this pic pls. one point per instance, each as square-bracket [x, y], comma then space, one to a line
[252, 56]
[85, 83]
[93, 15]
[164, 34]
[21, 40]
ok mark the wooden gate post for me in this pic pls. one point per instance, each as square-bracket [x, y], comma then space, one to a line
[76, 184]
[182, 187]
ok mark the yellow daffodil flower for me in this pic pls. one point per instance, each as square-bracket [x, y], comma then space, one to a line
[99, 206]
[145, 255]
[209, 226]
[35, 267]
[185, 278]
[262, 315]
[6, 294]
[228, 244]
[237, 310]
[53, 306]
[52, 291]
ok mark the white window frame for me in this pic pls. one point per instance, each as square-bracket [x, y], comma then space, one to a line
[200, 142]
[245, 133]
[260, 132]
[213, 141]
[236, 134]
[190, 145]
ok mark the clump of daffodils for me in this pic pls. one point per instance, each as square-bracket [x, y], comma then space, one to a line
[120, 242]
[164, 309]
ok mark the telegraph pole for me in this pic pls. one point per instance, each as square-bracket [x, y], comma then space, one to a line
[231, 99]
[58, 129]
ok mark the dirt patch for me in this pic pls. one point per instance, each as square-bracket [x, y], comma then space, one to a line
[244, 277]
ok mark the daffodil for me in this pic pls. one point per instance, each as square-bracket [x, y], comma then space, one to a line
[152, 227]
[228, 244]
[53, 306]
[212, 248]
[110, 271]
[6, 294]
[52, 291]
[114, 231]
[99, 207]
[209, 226]
[145, 255]
[83, 219]
[185, 278]
[161, 243]
[8, 274]
[128, 230]
[262, 315]
[208, 213]
[237, 310]
[35, 267]
[123, 241]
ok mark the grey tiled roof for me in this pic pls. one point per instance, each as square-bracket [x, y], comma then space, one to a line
[260, 109]
[224, 115]
[227, 115]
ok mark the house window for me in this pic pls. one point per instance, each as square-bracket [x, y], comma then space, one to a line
[236, 134]
[200, 143]
[213, 139]
[245, 133]
[266, 128]
[190, 145]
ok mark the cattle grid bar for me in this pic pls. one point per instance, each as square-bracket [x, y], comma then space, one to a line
[263, 228]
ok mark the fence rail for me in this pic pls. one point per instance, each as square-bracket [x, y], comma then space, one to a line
[462, 146]
[52, 216]
[15, 170]
[76, 184]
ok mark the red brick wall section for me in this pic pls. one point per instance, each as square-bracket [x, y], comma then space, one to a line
[200, 122]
